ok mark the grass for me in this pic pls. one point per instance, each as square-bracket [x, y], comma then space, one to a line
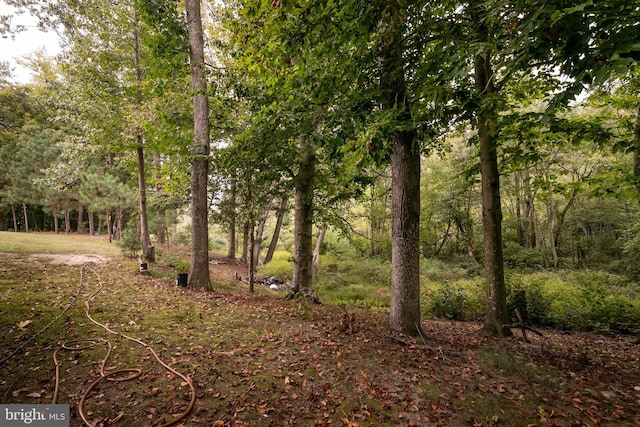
[49, 243]
[261, 360]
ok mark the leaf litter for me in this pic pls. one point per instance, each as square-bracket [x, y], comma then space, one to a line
[262, 360]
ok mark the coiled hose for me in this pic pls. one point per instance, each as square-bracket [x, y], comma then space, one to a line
[83, 344]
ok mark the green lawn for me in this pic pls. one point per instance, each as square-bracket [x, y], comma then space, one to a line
[50, 243]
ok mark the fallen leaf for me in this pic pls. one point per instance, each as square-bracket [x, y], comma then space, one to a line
[23, 324]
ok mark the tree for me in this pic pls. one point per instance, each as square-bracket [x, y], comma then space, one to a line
[405, 176]
[304, 183]
[199, 270]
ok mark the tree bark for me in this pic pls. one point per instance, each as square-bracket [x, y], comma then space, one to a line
[231, 250]
[161, 214]
[405, 181]
[252, 258]
[636, 154]
[26, 218]
[81, 219]
[91, 221]
[303, 220]
[67, 221]
[199, 273]
[148, 253]
[245, 242]
[15, 218]
[257, 241]
[550, 229]
[518, 190]
[119, 222]
[276, 231]
[496, 303]
[372, 221]
[318, 248]
[108, 221]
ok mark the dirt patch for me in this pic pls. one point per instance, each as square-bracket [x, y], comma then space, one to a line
[223, 269]
[72, 259]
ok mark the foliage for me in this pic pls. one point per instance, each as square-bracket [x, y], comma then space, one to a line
[179, 264]
[355, 281]
[517, 257]
[281, 266]
[592, 301]
[129, 242]
[449, 303]
[631, 249]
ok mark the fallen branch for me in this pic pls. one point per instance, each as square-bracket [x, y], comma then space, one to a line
[438, 351]
[523, 327]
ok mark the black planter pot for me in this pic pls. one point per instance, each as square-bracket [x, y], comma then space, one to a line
[181, 280]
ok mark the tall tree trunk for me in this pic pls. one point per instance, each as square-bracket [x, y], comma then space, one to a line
[161, 214]
[405, 181]
[231, 247]
[318, 249]
[199, 273]
[518, 190]
[276, 232]
[26, 218]
[372, 221]
[119, 222]
[530, 222]
[15, 218]
[55, 222]
[303, 220]
[109, 229]
[257, 241]
[67, 221]
[148, 252]
[252, 265]
[469, 232]
[550, 229]
[245, 242]
[91, 221]
[636, 154]
[81, 222]
[496, 296]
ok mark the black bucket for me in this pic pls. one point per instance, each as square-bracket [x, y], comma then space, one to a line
[181, 280]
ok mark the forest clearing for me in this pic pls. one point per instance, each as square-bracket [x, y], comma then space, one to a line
[249, 212]
[262, 360]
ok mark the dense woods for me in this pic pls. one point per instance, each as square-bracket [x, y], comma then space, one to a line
[491, 135]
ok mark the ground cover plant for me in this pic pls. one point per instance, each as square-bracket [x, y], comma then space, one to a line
[261, 359]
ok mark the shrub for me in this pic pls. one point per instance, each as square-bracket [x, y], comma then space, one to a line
[281, 265]
[129, 242]
[440, 271]
[530, 300]
[517, 257]
[448, 302]
[582, 301]
[354, 281]
[178, 264]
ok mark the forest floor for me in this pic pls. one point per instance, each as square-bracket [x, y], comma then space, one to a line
[262, 360]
